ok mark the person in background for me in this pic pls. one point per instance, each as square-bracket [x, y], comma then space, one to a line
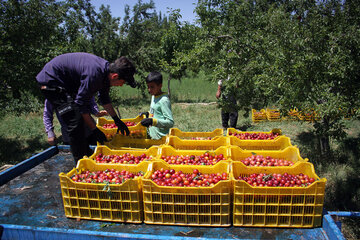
[48, 117]
[69, 82]
[159, 119]
[228, 113]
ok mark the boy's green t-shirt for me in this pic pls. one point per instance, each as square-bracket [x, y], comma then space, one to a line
[160, 109]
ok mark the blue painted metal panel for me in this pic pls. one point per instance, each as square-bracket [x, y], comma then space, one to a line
[25, 165]
[15, 232]
[331, 229]
[344, 214]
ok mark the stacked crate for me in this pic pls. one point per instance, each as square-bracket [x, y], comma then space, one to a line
[111, 201]
[136, 129]
[266, 206]
[230, 201]
[103, 201]
[190, 206]
[272, 114]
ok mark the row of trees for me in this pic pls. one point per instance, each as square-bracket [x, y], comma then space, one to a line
[34, 31]
[291, 53]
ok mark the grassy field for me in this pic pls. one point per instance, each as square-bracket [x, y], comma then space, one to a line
[195, 109]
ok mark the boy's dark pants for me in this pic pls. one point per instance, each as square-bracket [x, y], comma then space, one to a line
[226, 116]
[69, 112]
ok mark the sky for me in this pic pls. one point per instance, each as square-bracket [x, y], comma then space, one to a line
[117, 7]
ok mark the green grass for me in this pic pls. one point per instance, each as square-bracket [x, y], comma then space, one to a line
[191, 89]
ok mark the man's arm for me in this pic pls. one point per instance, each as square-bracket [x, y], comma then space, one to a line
[94, 109]
[110, 109]
[120, 124]
[218, 93]
[89, 121]
[48, 122]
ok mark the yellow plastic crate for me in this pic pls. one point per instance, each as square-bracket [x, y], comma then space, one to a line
[120, 142]
[290, 154]
[170, 151]
[189, 206]
[258, 116]
[297, 207]
[189, 135]
[293, 114]
[272, 114]
[137, 131]
[311, 116]
[112, 202]
[279, 143]
[232, 131]
[182, 144]
[105, 150]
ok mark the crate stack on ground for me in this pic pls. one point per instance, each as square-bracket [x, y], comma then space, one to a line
[307, 115]
[216, 194]
[258, 116]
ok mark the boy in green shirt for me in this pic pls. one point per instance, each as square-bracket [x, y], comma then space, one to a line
[160, 119]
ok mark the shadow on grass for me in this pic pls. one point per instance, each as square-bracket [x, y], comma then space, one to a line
[13, 151]
[309, 145]
[350, 151]
[245, 126]
[343, 186]
[343, 193]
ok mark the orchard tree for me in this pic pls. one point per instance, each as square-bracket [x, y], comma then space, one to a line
[106, 41]
[302, 54]
[178, 37]
[141, 33]
[29, 37]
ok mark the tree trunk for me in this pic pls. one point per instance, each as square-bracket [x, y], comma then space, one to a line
[324, 140]
[324, 145]
[169, 91]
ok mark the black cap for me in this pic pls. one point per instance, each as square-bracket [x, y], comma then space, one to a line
[130, 81]
[126, 70]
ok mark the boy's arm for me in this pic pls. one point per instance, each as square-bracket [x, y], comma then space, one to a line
[168, 121]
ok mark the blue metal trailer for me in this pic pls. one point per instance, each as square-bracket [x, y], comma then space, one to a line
[32, 208]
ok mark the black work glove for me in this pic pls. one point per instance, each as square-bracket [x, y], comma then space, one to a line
[121, 126]
[146, 122]
[99, 136]
[144, 113]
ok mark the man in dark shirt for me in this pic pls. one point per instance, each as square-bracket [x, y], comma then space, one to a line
[69, 82]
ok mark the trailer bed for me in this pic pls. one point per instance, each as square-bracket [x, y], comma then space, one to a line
[31, 208]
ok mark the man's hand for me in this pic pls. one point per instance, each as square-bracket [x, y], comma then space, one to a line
[121, 126]
[144, 113]
[146, 122]
[51, 141]
[99, 135]
[101, 113]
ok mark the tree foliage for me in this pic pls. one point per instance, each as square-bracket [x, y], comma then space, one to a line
[302, 54]
[29, 33]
